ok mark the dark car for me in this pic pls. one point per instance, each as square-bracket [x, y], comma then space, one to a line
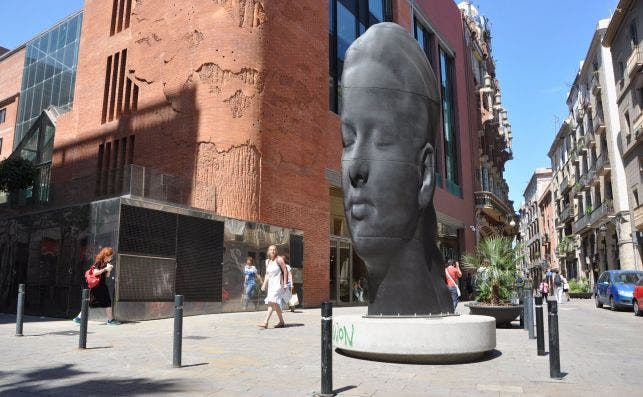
[637, 299]
[616, 288]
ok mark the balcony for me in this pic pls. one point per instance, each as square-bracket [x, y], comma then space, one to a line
[565, 213]
[588, 178]
[581, 224]
[590, 140]
[493, 206]
[595, 84]
[581, 145]
[601, 212]
[598, 123]
[603, 164]
[638, 217]
[634, 62]
[564, 186]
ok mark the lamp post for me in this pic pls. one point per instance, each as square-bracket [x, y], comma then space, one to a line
[603, 230]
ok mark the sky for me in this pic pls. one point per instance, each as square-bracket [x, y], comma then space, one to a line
[537, 44]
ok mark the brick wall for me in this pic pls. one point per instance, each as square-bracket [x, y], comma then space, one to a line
[10, 82]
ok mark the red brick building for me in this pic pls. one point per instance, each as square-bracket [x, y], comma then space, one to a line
[231, 98]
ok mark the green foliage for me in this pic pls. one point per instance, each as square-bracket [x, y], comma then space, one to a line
[566, 244]
[495, 261]
[16, 174]
[579, 285]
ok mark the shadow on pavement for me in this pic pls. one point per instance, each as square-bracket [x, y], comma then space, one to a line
[343, 389]
[193, 365]
[38, 381]
[8, 318]
[488, 356]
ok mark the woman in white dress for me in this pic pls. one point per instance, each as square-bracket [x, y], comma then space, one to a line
[277, 281]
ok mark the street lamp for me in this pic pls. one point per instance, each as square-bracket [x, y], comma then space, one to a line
[603, 230]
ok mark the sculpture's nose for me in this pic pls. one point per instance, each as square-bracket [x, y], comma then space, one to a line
[358, 173]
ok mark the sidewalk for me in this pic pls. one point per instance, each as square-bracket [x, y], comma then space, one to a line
[227, 355]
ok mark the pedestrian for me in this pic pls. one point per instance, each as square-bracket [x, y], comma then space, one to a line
[99, 294]
[453, 273]
[543, 288]
[251, 276]
[290, 287]
[565, 288]
[276, 281]
[558, 285]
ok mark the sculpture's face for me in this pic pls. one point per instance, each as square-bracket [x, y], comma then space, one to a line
[383, 134]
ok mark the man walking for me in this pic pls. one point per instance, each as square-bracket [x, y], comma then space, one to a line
[453, 273]
[558, 284]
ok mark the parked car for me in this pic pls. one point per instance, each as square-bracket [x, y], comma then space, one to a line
[616, 288]
[637, 299]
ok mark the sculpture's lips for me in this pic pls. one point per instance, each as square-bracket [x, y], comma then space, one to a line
[360, 210]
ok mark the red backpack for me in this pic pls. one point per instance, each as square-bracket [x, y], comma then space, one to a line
[92, 281]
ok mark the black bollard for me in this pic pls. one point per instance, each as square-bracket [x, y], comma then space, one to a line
[84, 317]
[530, 314]
[521, 301]
[178, 330]
[540, 329]
[554, 347]
[20, 309]
[326, 350]
[525, 309]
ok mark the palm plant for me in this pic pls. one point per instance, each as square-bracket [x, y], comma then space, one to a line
[495, 260]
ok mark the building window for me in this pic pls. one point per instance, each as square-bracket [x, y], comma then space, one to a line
[120, 95]
[347, 20]
[0, 145]
[121, 11]
[448, 124]
[3, 115]
[114, 157]
[425, 39]
[634, 36]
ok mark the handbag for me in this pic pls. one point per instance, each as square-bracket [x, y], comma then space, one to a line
[294, 300]
[91, 280]
[456, 284]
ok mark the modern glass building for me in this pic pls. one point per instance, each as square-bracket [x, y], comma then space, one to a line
[49, 73]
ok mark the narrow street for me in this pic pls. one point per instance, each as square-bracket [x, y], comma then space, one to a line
[226, 355]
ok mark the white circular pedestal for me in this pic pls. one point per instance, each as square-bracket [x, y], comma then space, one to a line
[415, 340]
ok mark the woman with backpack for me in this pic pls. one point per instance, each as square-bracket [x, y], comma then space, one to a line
[276, 280]
[95, 278]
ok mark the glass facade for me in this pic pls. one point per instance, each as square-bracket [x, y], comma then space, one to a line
[347, 20]
[49, 73]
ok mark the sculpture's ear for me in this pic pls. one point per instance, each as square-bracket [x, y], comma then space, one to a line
[425, 197]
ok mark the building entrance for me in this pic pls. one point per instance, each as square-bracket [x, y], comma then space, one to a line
[347, 273]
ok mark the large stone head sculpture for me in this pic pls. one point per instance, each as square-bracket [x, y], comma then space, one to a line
[390, 109]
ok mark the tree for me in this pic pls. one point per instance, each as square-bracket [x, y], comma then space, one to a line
[16, 174]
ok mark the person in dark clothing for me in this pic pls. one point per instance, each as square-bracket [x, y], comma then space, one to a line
[99, 295]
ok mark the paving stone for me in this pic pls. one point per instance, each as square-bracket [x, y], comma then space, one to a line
[227, 355]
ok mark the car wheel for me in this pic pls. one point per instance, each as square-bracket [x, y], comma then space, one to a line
[637, 309]
[612, 305]
[598, 303]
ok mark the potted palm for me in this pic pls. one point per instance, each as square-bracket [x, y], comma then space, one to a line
[495, 261]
